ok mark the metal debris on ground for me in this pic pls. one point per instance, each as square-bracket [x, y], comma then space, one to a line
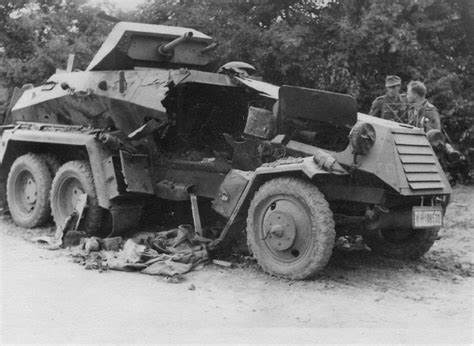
[351, 243]
[177, 279]
[72, 238]
[91, 244]
[64, 236]
[222, 263]
[112, 244]
[47, 242]
[169, 253]
[67, 234]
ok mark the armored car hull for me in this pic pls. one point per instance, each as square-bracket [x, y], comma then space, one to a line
[149, 121]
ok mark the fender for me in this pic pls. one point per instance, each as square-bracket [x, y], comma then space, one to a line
[238, 187]
[62, 135]
[306, 165]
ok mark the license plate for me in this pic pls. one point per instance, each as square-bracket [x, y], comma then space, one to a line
[423, 217]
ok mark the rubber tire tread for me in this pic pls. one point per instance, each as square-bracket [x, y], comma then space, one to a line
[323, 229]
[94, 214]
[411, 249]
[40, 171]
[52, 162]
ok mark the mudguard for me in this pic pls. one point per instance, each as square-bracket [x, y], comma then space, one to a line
[238, 187]
[74, 136]
[306, 165]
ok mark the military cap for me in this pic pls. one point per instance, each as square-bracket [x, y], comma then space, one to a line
[392, 81]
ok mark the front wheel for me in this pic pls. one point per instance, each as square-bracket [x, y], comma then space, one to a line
[409, 244]
[73, 179]
[290, 228]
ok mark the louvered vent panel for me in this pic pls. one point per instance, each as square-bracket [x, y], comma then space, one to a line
[418, 161]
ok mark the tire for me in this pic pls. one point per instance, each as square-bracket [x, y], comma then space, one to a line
[28, 191]
[52, 162]
[409, 244]
[290, 228]
[71, 180]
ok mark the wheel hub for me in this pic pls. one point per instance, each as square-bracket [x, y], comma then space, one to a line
[75, 194]
[280, 230]
[30, 191]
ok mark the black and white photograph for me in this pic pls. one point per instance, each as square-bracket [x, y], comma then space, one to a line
[237, 172]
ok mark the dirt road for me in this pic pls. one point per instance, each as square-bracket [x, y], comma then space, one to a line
[45, 298]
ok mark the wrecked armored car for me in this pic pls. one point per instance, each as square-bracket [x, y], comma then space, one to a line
[150, 120]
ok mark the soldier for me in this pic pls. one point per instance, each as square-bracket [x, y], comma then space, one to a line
[421, 113]
[392, 105]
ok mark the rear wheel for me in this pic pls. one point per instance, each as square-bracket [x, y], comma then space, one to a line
[406, 244]
[28, 191]
[73, 179]
[290, 228]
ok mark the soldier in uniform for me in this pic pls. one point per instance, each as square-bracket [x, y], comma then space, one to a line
[392, 105]
[421, 113]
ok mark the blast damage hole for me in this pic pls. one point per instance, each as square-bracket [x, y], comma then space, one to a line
[273, 206]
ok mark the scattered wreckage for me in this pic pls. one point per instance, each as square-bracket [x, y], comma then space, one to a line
[149, 121]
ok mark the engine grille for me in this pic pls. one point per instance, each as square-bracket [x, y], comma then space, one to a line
[418, 161]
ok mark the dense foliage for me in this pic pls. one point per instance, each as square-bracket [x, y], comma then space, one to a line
[344, 46]
[37, 37]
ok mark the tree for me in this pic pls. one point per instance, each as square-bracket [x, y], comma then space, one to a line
[38, 36]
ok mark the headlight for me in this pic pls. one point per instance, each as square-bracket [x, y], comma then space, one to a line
[362, 138]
